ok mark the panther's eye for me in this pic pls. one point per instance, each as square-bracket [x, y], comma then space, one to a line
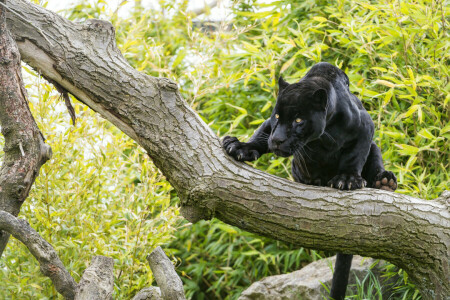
[277, 116]
[298, 120]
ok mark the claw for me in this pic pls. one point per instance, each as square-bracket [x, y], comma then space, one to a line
[230, 149]
[255, 157]
[239, 156]
[350, 186]
[340, 184]
[331, 185]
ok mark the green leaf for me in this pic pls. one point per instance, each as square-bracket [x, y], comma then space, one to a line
[266, 106]
[407, 149]
[320, 19]
[385, 82]
[288, 64]
[257, 122]
[240, 109]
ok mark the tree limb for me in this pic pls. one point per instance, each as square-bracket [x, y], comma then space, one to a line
[409, 232]
[50, 264]
[25, 150]
[165, 275]
[149, 293]
[97, 281]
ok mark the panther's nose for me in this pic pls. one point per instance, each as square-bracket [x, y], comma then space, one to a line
[278, 141]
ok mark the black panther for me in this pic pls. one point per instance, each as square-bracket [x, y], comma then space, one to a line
[329, 133]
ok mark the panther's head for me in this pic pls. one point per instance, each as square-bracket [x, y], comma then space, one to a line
[299, 115]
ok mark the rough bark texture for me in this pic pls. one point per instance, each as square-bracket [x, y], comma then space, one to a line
[97, 281]
[409, 232]
[150, 293]
[50, 264]
[24, 149]
[167, 279]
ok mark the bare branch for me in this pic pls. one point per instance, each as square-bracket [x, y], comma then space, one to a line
[50, 264]
[167, 279]
[25, 150]
[97, 281]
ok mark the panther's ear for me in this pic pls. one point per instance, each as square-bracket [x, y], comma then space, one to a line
[281, 84]
[320, 99]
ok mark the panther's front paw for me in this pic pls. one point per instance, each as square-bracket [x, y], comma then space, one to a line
[239, 151]
[347, 182]
[385, 180]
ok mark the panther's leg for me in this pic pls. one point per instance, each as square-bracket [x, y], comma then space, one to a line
[256, 146]
[349, 177]
[351, 163]
[374, 172]
[340, 276]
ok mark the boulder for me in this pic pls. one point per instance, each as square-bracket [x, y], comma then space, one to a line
[307, 283]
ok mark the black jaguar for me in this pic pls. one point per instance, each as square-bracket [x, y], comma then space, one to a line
[329, 133]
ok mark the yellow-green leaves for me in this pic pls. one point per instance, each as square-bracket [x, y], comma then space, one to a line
[320, 19]
[407, 149]
[385, 83]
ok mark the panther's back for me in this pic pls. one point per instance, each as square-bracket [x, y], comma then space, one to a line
[329, 72]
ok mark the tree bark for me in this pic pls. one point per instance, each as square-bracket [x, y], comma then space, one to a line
[150, 293]
[50, 264]
[167, 279]
[97, 281]
[25, 150]
[83, 58]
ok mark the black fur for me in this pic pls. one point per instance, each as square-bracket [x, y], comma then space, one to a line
[329, 133]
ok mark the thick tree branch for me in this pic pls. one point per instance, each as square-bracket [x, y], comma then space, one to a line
[150, 293]
[167, 279]
[412, 233]
[51, 265]
[25, 150]
[97, 281]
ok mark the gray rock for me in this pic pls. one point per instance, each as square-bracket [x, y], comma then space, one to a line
[304, 284]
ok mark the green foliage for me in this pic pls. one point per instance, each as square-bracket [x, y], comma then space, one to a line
[99, 195]
[218, 260]
[396, 54]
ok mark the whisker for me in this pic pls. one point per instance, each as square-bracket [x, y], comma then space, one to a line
[302, 163]
[306, 153]
[331, 138]
[309, 148]
[261, 139]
